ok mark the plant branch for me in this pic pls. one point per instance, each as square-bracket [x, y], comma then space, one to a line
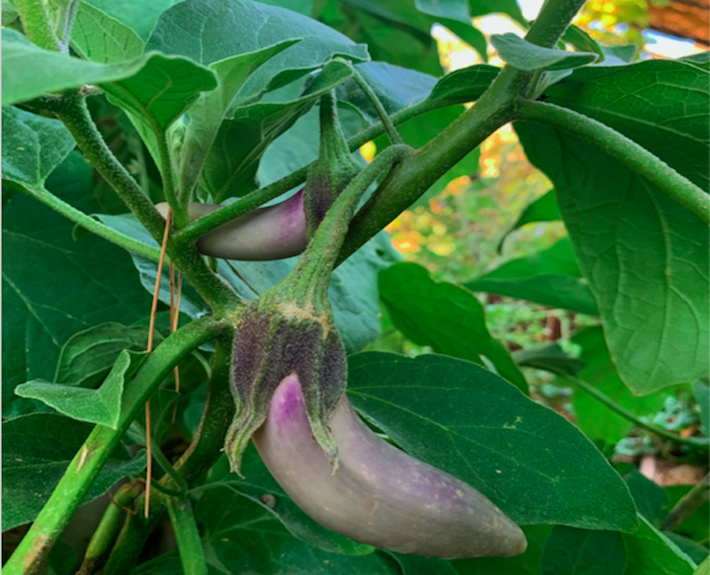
[701, 444]
[73, 112]
[200, 456]
[624, 149]
[392, 132]
[89, 223]
[36, 24]
[187, 536]
[687, 504]
[180, 216]
[89, 460]
[552, 21]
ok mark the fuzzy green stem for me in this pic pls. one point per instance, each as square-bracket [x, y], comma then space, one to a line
[623, 149]
[311, 276]
[89, 223]
[36, 24]
[166, 466]
[687, 504]
[73, 112]
[180, 216]
[72, 9]
[187, 536]
[202, 454]
[552, 21]
[382, 114]
[109, 526]
[89, 460]
[701, 444]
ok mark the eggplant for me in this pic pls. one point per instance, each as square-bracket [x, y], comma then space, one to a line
[265, 234]
[378, 494]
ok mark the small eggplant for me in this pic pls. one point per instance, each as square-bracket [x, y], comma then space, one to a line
[266, 234]
[378, 494]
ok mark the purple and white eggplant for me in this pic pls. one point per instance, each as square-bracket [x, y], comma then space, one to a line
[378, 494]
[266, 234]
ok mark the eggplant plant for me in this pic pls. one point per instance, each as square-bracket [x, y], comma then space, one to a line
[252, 417]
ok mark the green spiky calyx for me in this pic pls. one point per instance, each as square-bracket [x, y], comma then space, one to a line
[334, 169]
[287, 330]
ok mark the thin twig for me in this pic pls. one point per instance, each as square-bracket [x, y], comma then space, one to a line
[174, 317]
[687, 504]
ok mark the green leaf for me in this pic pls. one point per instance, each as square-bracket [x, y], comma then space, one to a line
[661, 104]
[697, 552]
[88, 355]
[9, 13]
[29, 71]
[210, 30]
[233, 161]
[37, 451]
[260, 487]
[650, 498]
[464, 85]
[159, 93]
[526, 564]
[526, 458]
[570, 551]
[207, 113]
[32, 146]
[695, 526]
[594, 418]
[101, 406]
[139, 15]
[650, 552]
[98, 37]
[451, 9]
[648, 272]
[703, 568]
[582, 41]
[397, 88]
[620, 54]
[243, 536]
[444, 316]
[48, 280]
[413, 565]
[550, 358]
[550, 277]
[544, 209]
[523, 55]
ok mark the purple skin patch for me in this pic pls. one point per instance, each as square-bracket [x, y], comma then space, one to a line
[378, 495]
[265, 234]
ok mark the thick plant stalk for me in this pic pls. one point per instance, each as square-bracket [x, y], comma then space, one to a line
[87, 463]
[624, 149]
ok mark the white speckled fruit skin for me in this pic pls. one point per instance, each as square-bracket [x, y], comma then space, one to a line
[378, 495]
[271, 233]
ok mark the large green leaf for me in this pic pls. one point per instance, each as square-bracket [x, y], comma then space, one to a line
[530, 461]
[32, 146]
[648, 269]
[464, 85]
[37, 450]
[29, 71]
[650, 552]
[98, 37]
[544, 209]
[593, 417]
[232, 164]
[207, 113]
[100, 406]
[444, 316]
[139, 15]
[210, 30]
[48, 280]
[523, 55]
[569, 551]
[661, 104]
[550, 277]
[259, 486]
[451, 9]
[245, 537]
